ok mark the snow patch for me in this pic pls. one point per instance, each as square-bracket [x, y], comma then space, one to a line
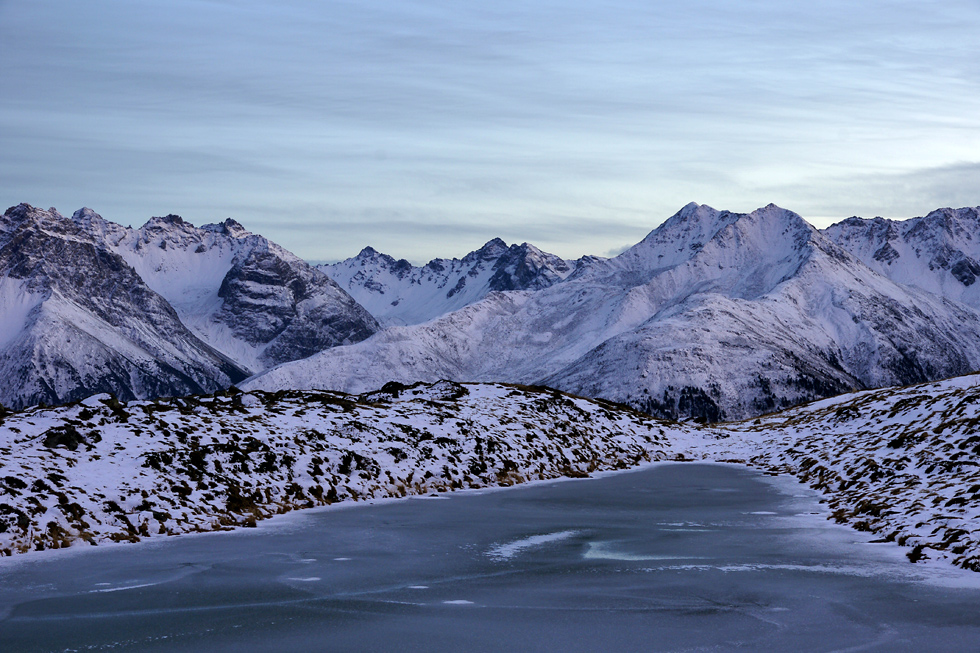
[511, 549]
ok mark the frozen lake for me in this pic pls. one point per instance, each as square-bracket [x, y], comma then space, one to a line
[676, 557]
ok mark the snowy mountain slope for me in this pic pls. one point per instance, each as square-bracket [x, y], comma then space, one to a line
[901, 462]
[245, 296]
[939, 253]
[77, 319]
[397, 293]
[715, 314]
[90, 473]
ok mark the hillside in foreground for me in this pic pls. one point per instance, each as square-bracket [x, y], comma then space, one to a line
[102, 470]
[899, 462]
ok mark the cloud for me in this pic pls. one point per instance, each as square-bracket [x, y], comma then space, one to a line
[899, 195]
[427, 127]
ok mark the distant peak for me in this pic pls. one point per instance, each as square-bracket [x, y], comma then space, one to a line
[495, 247]
[84, 212]
[164, 223]
[24, 211]
[232, 227]
[494, 243]
[21, 210]
[85, 216]
[369, 255]
[694, 210]
[772, 209]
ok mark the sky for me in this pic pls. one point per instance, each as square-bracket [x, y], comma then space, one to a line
[425, 128]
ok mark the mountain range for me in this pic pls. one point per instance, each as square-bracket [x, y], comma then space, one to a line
[398, 293]
[714, 315]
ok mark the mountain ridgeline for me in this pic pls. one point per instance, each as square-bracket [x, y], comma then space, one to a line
[168, 309]
[398, 293]
[714, 315]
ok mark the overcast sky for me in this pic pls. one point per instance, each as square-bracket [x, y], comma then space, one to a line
[425, 128]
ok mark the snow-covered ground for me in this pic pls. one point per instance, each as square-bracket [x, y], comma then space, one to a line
[104, 471]
[899, 462]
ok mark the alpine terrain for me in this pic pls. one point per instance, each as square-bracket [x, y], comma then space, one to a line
[398, 293]
[168, 309]
[898, 462]
[252, 300]
[939, 253]
[715, 315]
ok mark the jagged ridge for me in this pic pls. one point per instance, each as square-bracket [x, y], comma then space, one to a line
[244, 295]
[167, 309]
[715, 314]
[78, 319]
[398, 293]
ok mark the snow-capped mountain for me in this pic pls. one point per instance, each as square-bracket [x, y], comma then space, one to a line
[398, 293]
[243, 295]
[714, 314]
[939, 253]
[75, 319]
[167, 309]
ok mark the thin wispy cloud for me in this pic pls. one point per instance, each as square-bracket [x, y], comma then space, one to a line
[516, 118]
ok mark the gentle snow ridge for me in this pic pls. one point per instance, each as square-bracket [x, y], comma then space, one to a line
[900, 462]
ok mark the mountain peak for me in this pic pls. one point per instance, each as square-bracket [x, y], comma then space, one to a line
[493, 247]
[690, 208]
[23, 212]
[85, 212]
[86, 217]
[233, 227]
[170, 218]
[20, 211]
[27, 217]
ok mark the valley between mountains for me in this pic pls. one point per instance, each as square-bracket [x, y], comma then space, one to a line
[204, 378]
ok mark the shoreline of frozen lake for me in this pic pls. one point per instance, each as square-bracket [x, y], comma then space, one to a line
[670, 557]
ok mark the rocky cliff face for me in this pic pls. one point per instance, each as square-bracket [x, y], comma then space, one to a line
[287, 308]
